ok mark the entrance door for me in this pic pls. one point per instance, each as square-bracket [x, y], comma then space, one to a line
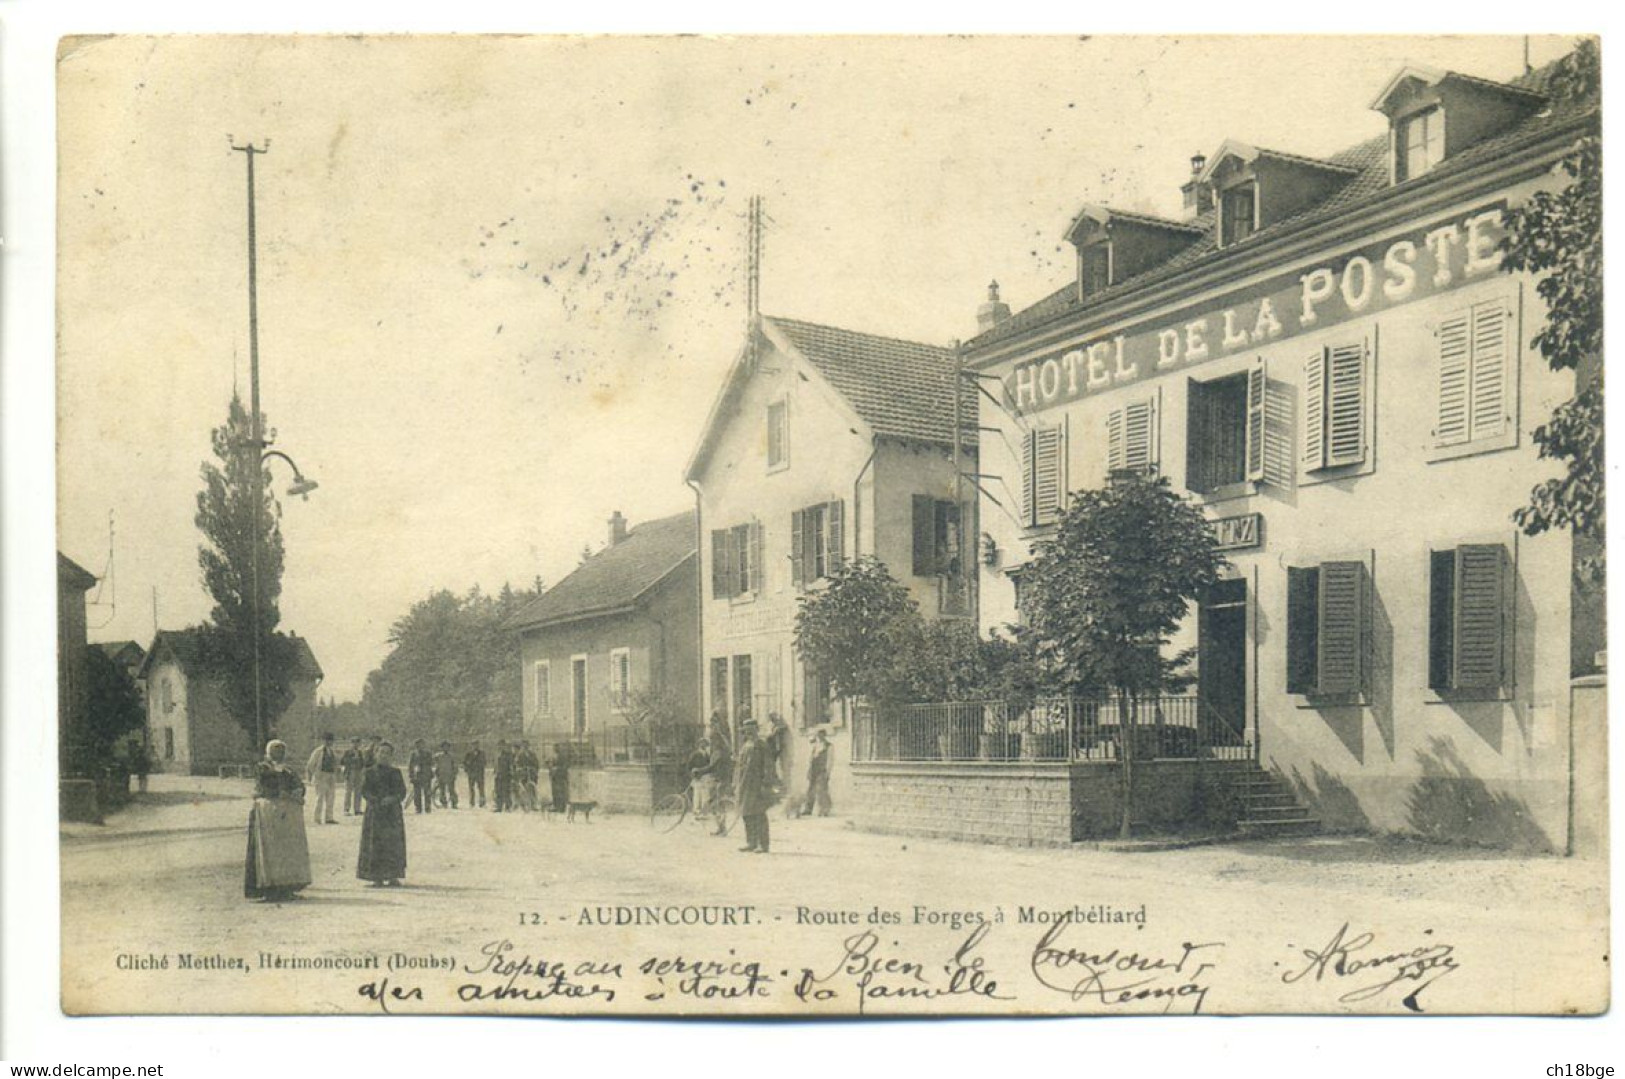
[1221, 657]
[578, 693]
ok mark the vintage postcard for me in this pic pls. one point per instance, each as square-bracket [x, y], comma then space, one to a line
[831, 526]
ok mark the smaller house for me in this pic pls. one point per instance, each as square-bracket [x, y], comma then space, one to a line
[191, 730]
[127, 655]
[78, 796]
[606, 645]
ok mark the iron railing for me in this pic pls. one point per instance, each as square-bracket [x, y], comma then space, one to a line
[627, 744]
[1050, 729]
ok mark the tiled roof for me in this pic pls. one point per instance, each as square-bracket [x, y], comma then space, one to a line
[190, 648]
[71, 573]
[902, 389]
[614, 578]
[111, 649]
[1369, 182]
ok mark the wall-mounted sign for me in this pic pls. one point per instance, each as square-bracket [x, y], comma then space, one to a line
[1426, 262]
[1237, 533]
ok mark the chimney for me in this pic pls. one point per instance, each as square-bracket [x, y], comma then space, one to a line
[1198, 196]
[993, 312]
[617, 528]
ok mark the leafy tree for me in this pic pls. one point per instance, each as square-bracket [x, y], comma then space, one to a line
[235, 503]
[858, 631]
[1108, 589]
[1558, 235]
[113, 712]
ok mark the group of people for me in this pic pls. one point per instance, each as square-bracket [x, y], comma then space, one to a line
[757, 774]
[278, 859]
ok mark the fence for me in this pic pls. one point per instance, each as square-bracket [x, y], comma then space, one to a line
[628, 744]
[1051, 729]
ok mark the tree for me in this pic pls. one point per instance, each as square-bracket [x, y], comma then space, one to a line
[113, 711]
[235, 503]
[859, 630]
[1108, 589]
[1558, 234]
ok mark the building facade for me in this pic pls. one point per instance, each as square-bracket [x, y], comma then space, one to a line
[1327, 357]
[824, 445]
[72, 582]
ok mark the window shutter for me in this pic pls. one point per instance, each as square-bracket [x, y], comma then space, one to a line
[1139, 435]
[1115, 447]
[1314, 411]
[1345, 405]
[1047, 474]
[756, 557]
[1341, 655]
[835, 522]
[1257, 384]
[925, 535]
[1489, 378]
[798, 555]
[1454, 363]
[1302, 628]
[719, 563]
[1480, 615]
[1029, 508]
[1441, 619]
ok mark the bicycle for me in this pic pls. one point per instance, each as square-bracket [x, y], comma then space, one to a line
[672, 810]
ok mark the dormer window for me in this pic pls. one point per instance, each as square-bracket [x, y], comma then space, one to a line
[1418, 143]
[1238, 213]
[1094, 268]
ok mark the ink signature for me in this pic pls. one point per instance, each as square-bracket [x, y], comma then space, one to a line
[1348, 956]
[878, 974]
[1115, 977]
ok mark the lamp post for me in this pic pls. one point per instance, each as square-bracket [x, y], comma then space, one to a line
[257, 442]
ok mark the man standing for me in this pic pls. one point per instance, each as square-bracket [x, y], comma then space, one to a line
[504, 777]
[529, 767]
[817, 777]
[351, 765]
[445, 776]
[755, 787]
[421, 769]
[322, 773]
[474, 766]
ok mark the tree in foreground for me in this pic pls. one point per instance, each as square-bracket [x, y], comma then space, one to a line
[1108, 589]
[859, 630]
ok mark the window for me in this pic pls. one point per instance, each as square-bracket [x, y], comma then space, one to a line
[742, 688]
[1475, 383]
[1418, 143]
[817, 541]
[1327, 629]
[166, 694]
[1467, 618]
[1094, 268]
[1043, 476]
[1131, 437]
[936, 538]
[169, 742]
[1225, 431]
[620, 678]
[1334, 407]
[778, 434]
[736, 561]
[578, 694]
[719, 685]
[544, 688]
[1238, 213]
[815, 698]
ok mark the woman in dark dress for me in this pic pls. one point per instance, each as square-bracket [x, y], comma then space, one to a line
[383, 829]
[278, 861]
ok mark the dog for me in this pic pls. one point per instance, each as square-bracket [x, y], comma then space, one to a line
[584, 808]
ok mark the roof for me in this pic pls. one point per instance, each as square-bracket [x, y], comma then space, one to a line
[901, 389]
[1431, 76]
[1104, 214]
[114, 649]
[1369, 183]
[191, 648]
[617, 577]
[69, 572]
[1232, 148]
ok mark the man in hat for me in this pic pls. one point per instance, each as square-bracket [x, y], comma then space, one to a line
[817, 777]
[420, 768]
[445, 777]
[322, 773]
[756, 786]
[474, 765]
[351, 765]
[504, 777]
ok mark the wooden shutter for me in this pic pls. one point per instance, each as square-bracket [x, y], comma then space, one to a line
[1046, 474]
[835, 521]
[1139, 435]
[798, 555]
[1345, 404]
[1257, 385]
[1480, 616]
[1314, 411]
[1115, 446]
[1302, 629]
[1441, 619]
[925, 536]
[1455, 362]
[1341, 653]
[719, 563]
[1029, 505]
[756, 556]
[1489, 390]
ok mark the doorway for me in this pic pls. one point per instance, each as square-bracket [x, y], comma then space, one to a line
[1221, 658]
[578, 694]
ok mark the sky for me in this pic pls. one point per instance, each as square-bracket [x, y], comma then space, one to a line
[501, 278]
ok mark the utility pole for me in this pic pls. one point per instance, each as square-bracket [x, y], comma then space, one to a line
[256, 436]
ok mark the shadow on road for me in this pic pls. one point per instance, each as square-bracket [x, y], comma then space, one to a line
[1332, 850]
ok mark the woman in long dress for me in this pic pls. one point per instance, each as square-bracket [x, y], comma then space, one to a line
[278, 861]
[383, 829]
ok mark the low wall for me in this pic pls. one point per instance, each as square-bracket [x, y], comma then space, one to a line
[1170, 796]
[991, 803]
[624, 788]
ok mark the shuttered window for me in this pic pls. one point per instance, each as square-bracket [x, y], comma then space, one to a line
[936, 537]
[736, 561]
[778, 434]
[1474, 375]
[1336, 384]
[620, 677]
[817, 541]
[1467, 618]
[1223, 418]
[544, 688]
[1043, 477]
[1131, 437]
[1328, 626]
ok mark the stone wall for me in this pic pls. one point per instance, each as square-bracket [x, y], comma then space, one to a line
[624, 788]
[1029, 804]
